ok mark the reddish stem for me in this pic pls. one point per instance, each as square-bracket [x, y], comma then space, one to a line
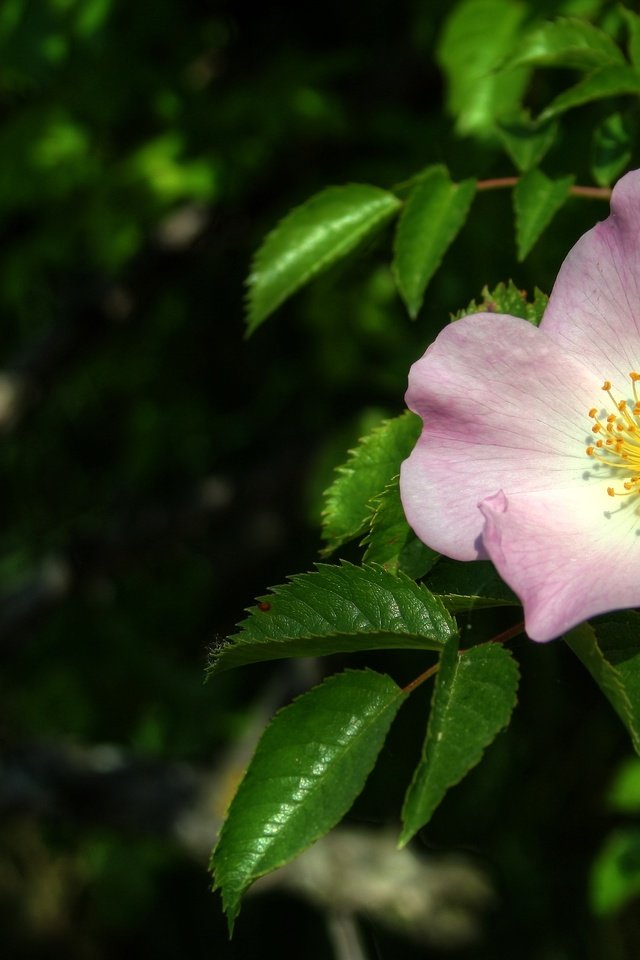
[503, 637]
[498, 183]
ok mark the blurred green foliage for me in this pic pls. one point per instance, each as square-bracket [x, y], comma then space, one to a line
[157, 471]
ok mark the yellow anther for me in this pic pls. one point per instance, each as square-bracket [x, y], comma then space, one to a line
[619, 448]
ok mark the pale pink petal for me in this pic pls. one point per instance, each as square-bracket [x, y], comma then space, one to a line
[503, 408]
[594, 309]
[568, 554]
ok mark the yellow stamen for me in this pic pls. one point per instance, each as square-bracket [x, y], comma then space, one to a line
[620, 448]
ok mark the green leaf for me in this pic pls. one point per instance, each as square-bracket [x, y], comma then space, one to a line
[566, 43]
[610, 650]
[633, 29]
[537, 199]
[474, 696]
[311, 238]
[611, 151]
[310, 765]
[391, 541]
[606, 82]
[615, 876]
[433, 214]
[624, 792]
[506, 298]
[370, 467]
[477, 36]
[467, 586]
[526, 140]
[338, 609]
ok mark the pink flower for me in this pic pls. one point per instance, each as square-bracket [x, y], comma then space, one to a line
[530, 450]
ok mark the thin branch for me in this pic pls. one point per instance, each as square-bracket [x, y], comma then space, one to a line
[501, 183]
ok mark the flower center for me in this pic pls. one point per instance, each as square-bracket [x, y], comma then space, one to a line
[618, 439]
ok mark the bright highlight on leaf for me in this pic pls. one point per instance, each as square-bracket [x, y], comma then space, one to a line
[567, 43]
[338, 609]
[477, 36]
[311, 238]
[310, 765]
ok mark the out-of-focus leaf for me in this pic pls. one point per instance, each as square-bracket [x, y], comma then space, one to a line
[610, 650]
[338, 609]
[477, 36]
[606, 82]
[370, 467]
[466, 586]
[565, 42]
[433, 214]
[633, 29]
[311, 238]
[624, 793]
[310, 765]
[526, 140]
[615, 875]
[611, 150]
[391, 542]
[537, 199]
[506, 298]
[474, 696]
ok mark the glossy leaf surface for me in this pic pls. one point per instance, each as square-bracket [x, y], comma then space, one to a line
[310, 765]
[311, 238]
[338, 609]
[473, 698]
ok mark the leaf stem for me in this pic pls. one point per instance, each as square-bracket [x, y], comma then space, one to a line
[499, 183]
[503, 637]
[410, 687]
[508, 634]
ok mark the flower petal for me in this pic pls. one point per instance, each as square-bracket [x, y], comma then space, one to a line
[503, 408]
[594, 308]
[567, 554]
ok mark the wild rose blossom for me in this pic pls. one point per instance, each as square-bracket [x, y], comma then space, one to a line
[530, 450]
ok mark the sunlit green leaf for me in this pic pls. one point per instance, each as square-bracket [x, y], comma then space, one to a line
[606, 82]
[338, 609]
[537, 199]
[507, 298]
[309, 767]
[615, 876]
[477, 36]
[624, 792]
[473, 698]
[311, 238]
[565, 43]
[370, 467]
[433, 214]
